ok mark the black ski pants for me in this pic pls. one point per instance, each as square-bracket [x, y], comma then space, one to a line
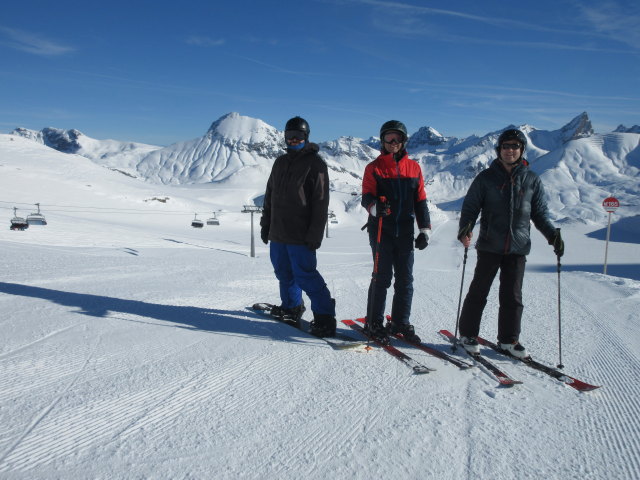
[395, 259]
[510, 295]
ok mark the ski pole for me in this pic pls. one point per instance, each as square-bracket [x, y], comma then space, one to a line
[374, 276]
[464, 264]
[560, 365]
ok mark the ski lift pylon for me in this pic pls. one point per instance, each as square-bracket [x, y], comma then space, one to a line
[36, 218]
[18, 223]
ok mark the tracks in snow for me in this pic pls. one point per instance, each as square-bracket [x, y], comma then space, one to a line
[614, 421]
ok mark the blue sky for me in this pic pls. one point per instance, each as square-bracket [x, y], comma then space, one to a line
[162, 72]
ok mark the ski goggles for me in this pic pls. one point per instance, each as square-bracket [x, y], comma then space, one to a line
[511, 146]
[294, 135]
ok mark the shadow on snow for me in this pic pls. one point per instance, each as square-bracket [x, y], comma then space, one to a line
[624, 270]
[238, 322]
[625, 230]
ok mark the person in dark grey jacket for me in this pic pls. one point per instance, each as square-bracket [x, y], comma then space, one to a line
[296, 203]
[510, 196]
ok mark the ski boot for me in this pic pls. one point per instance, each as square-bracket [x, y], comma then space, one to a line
[515, 349]
[289, 315]
[405, 329]
[470, 344]
[323, 325]
[377, 331]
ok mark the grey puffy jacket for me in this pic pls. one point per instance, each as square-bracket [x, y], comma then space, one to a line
[508, 204]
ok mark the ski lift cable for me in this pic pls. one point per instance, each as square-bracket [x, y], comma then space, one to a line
[112, 212]
[92, 209]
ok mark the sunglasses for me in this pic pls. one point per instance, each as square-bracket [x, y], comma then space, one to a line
[294, 135]
[393, 141]
[511, 146]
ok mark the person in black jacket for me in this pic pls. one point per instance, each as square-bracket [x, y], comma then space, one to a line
[510, 197]
[296, 204]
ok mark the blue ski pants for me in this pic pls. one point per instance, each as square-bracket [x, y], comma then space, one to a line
[295, 267]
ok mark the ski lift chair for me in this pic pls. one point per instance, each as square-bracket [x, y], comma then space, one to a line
[196, 222]
[18, 223]
[36, 218]
[213, 220]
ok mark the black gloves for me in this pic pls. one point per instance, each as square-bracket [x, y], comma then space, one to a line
[558, 243]
[264, 234]
[311, 245]
[465, 231]
[381, 208]
[422, 240]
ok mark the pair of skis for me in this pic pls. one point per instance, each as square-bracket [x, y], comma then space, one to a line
[346, 342]
[502, 377]
[506, 380]
[416, 366]
[338, 342]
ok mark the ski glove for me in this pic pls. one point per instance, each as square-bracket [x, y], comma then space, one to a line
[381, 208]
[422, 240]
[465, 231]
[264, 235]
[558, 243]
[311, 245]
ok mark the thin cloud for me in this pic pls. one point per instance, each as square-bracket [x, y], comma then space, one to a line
[530, 44]
[203, 41]
[493, 21]
[610, 20]
[614, 20]
[31, 43]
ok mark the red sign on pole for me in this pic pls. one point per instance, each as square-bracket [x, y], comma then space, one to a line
[610, 204]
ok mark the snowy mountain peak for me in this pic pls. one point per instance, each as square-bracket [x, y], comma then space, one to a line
[579, 127]
[426, 137]
[232, 143]
[66, 141]
[622, 129]
[235, 128]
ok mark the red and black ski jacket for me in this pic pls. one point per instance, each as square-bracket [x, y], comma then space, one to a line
[401, 182]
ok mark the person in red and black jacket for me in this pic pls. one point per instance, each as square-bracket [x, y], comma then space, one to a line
[393, 189]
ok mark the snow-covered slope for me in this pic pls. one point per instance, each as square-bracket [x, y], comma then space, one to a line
[128, 352]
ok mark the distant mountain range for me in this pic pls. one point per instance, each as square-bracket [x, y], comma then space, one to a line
[578, 166]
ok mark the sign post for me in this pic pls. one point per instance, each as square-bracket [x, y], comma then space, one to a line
[610, 205]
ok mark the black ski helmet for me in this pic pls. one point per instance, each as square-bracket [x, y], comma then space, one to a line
[512, 134]
[395, 126]
[299, 124]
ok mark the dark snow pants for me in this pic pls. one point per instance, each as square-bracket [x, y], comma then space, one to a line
[295, 267]
[510, 295]
[395, 259]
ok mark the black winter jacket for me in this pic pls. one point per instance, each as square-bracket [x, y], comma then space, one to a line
[296, 200]
[508, 204]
